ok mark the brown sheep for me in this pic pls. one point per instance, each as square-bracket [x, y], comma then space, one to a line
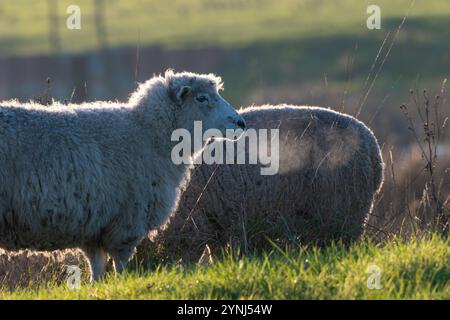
[330, 169]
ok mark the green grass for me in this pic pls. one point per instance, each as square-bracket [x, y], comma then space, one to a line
[412, 270]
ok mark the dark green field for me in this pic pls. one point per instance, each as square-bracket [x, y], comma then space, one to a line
[280, 46]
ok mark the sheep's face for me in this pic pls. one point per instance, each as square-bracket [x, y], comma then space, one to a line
[197, 99]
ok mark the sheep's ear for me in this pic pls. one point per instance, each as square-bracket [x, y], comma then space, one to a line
[183, 93]
[180, 94]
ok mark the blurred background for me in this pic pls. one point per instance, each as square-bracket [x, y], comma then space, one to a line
[305, 52]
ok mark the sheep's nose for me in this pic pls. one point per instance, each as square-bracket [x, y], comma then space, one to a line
[241, 124]
[238, 121]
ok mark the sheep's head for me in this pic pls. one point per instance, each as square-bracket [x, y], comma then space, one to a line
[197, 98]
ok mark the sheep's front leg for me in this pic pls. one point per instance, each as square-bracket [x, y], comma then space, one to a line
[97, 258]
[121, 258]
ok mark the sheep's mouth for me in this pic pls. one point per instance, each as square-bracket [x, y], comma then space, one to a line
[237, 135]
[239, 124]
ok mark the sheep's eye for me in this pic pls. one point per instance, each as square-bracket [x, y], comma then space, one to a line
[202, 99]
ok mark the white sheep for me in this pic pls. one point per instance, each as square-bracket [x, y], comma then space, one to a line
[99, 176]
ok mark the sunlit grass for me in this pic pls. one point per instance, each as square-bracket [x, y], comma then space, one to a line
[417, 269]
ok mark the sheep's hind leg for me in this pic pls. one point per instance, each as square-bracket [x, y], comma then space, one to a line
[97, 258]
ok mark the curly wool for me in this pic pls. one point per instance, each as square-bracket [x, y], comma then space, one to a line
[98, 175]
[32, 269]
